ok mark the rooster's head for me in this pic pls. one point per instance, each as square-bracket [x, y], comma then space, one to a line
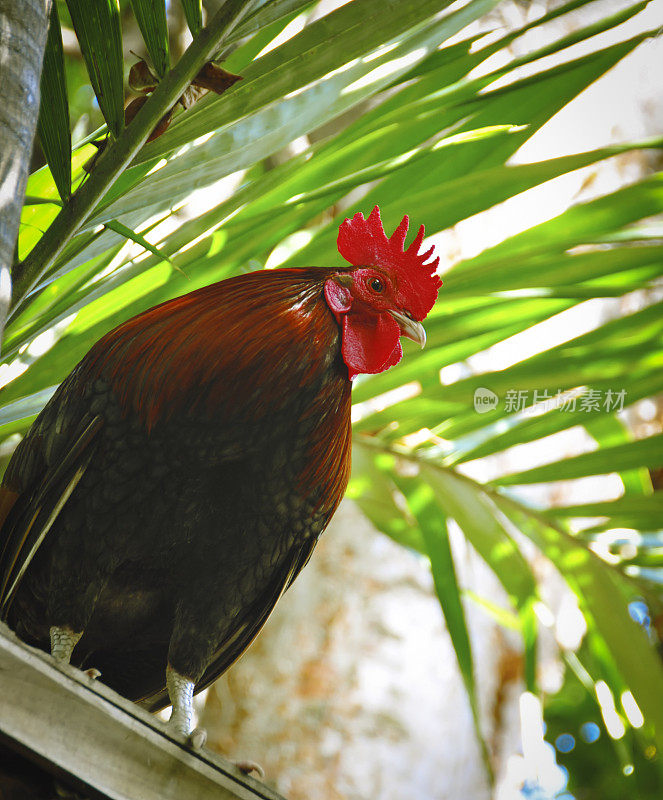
[386, 293]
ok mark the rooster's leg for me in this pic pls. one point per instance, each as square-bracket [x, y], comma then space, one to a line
[63, 641]
[180, 692]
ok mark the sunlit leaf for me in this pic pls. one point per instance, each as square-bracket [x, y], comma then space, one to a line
[151, 18]
[97, 26]
[642, 453]
[53, 124]
[193, 11]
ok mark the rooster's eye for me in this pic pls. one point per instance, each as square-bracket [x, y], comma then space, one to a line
[376, 285]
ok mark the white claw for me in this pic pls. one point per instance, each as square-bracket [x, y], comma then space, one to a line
[247, 767]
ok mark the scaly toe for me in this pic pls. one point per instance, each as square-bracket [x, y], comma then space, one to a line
[197, 738]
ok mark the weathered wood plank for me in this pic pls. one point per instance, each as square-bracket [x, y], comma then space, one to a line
[79, 727]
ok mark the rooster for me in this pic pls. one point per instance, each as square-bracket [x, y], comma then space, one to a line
[181, 475]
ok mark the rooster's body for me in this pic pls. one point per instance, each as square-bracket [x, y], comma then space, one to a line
[178, 480]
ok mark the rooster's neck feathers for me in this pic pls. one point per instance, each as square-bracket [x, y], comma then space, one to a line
[259, 335]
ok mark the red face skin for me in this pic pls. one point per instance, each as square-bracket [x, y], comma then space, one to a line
[372, 316]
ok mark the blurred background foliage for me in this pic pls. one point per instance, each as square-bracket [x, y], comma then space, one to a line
[404, 104]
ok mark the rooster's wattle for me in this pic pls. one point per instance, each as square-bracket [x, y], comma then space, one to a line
[179, 478]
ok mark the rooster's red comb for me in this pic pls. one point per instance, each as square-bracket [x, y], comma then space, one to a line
[363, 242]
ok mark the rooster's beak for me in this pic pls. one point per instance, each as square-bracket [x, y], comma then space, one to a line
[410, 327]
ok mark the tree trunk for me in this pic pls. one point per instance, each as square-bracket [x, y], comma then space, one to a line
[23, 28]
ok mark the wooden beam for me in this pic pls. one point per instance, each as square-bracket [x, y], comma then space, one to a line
[103, 743]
